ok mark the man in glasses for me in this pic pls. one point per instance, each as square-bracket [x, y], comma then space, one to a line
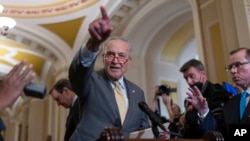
[239, 67]
[110, 100]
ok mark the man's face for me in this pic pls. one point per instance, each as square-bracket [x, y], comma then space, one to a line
[61, 98]
[119, 51]
[240, 72]
[192, 75]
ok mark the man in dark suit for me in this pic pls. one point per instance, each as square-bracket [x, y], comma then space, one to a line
[213, 97]
[101, 108]
[64, 95]
[239, 67]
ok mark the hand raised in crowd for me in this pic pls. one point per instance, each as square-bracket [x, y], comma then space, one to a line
[14, 82]
[156, 92]
[99, 30]
[198, 101]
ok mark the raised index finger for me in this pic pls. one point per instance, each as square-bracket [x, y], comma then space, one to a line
[104, 13]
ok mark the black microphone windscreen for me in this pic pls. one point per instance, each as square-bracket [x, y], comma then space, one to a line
[152, 116]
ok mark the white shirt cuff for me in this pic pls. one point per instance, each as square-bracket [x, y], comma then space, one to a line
[87, 56]
[203, 116]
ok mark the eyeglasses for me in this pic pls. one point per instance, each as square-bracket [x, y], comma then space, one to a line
[235, 65]
[121, 57]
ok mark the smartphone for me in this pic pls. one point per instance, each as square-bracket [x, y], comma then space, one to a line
[35, 90]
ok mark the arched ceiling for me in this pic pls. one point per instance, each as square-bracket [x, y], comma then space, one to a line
[49, 32]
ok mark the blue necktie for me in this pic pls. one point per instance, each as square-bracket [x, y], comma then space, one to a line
[242, 103]
[2, 126]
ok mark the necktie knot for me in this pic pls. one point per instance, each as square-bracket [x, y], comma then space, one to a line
[244, 94]
[117, 84]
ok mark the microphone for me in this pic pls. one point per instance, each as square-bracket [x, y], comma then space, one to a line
[152, 116]
[155, 119]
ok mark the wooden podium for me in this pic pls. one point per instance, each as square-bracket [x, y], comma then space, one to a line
[165, 140]
[114, 134]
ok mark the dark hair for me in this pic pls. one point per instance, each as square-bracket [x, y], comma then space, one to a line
[60, 84]
[240, 49]
[192, 63]
[178, 107]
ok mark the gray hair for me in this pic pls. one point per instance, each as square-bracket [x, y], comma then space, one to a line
[104, 47]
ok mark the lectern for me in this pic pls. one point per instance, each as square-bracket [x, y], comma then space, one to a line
[114, 134]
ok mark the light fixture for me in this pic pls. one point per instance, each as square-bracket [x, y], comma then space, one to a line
[6, 23]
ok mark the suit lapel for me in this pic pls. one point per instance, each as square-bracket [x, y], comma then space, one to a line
[109, 93]
[72, 113]
[69, 117]
[246, 115]
[131, 100]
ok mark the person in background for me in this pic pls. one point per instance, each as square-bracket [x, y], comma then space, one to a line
[64, 95]
[110, 99]
[173, 109]
[12, 85]
[188, 106]
[239, 67]
[214, 97]
[49, 138]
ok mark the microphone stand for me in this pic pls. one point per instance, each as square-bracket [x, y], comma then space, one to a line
[158, 106]
[154, 126]
[155, 130]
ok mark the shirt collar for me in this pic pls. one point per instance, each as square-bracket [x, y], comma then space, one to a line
[248, 90]
[121, 82]
[74, 100]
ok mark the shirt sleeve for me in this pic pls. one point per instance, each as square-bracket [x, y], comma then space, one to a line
[203, 116]
[87, 57]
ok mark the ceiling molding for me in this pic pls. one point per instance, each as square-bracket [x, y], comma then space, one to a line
[48, 10]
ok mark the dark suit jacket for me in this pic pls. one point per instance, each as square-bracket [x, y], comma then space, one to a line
[100, 108]
[232, 114]
[72, 120]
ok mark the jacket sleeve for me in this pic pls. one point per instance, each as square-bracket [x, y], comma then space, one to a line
[80, 75]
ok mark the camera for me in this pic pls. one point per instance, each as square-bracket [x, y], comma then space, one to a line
[165, 89]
